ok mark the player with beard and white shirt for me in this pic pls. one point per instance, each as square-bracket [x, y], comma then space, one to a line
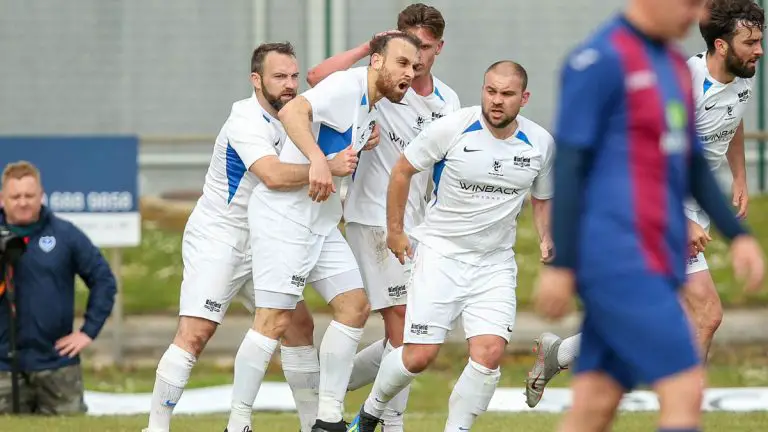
[216, 247]
[723, 81]
[486, 159]
[297, 231]
[384, 278]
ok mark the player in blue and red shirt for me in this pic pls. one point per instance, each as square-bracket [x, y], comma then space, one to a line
[627, 157]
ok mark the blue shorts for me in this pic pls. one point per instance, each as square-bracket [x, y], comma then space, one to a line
[635, 329]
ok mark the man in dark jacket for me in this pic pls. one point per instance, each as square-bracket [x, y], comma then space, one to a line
[48, 349]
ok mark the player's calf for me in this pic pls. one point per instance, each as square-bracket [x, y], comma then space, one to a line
[680, 397]
[301, 367]
[175, 367]
[704, 308]
[596, 395]
[475, 387]
[255, 352]
[394, 322]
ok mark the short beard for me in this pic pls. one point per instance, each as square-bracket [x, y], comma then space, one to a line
[273, 101]
[386, 86]
[502, 124]
[736, 67]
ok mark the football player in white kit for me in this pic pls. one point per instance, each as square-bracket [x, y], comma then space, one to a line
[297, 231]
[723, 81]
[384, 278]
[486, 159]
[216, 245]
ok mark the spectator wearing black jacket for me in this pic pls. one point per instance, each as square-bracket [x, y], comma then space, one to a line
[48, 348]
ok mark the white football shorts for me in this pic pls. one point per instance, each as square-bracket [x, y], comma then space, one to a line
[290, 256]
[443, 289]
[214, 274]
[697, 263]
[384, 278]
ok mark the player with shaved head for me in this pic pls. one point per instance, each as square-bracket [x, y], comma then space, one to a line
[485, 160]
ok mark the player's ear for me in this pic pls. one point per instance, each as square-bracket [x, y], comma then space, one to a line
[439, 47]
[377, 61]
[524, 98]
[721, 46]
[256, 80]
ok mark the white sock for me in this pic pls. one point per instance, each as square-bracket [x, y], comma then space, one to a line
[393, 377]
[568, 350]
[251, 364]
[393, 413]
[337, 354]
[367, 363]
[302, 372]
[471, 396]
[170, 379]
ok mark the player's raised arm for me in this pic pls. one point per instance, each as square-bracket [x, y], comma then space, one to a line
[341, 61]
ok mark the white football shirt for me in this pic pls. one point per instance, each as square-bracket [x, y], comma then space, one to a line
[341, 116]
[719, 109]
[399, 123]
[480, 184]
[248, 135]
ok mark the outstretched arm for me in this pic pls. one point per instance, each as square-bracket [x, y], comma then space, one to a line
[342, 61]
[338, 62]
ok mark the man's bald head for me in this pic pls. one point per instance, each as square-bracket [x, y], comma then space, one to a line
[509, 68]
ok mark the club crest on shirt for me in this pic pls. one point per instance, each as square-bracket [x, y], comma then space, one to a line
[497, 168]
[365, 134]
[47, 243]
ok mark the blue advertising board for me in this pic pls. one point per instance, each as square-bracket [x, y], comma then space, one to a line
[90, 180]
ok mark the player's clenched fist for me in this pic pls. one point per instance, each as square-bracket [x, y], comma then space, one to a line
[320, 180]
[400, 245]
[344, 163]
[748, 261]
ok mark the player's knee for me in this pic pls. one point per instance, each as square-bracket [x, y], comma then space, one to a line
[417, 358]
[302, 328]
[487, 351]
[193, 334]
[351, 308]
[272, 323]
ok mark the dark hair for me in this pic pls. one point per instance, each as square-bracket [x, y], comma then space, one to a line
[380, 43]
[420, 15]
[516, 68]
[724, 17]
[260, 53]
